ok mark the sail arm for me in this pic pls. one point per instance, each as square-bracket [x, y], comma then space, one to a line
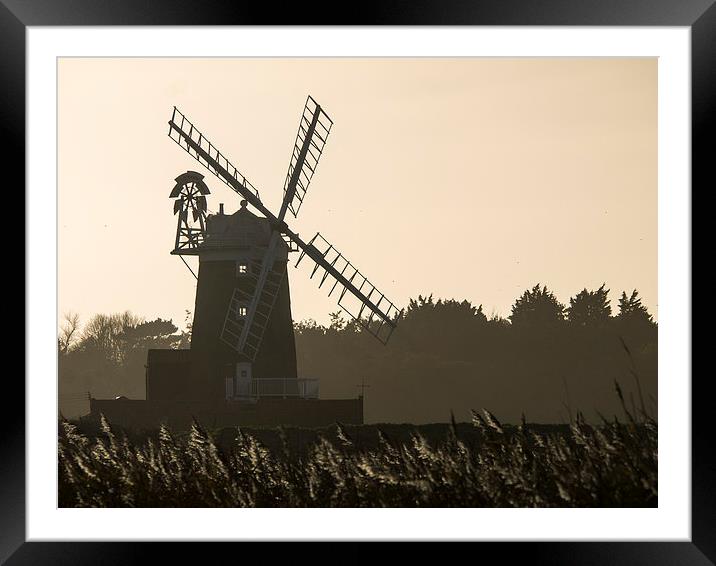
[191, 140]
[313, 130]
[369, 307]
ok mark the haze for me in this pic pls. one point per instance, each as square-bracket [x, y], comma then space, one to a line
[466, 178]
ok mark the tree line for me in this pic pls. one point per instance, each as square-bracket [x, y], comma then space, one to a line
[547, 358]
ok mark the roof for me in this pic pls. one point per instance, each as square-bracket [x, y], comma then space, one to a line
[240, 229]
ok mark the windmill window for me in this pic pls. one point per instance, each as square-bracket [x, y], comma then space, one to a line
[242, 269]
[241, 312]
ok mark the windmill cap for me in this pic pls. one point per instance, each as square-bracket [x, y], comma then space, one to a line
[243, 203]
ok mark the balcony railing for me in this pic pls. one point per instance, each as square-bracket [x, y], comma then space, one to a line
[271, 387]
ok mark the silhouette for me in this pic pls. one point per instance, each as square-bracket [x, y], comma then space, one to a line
[68, 332]
[482, 464]
[537, 307]
[590, 308]
[241, 365]
[448, 356]
[631, 309]
[108, 357]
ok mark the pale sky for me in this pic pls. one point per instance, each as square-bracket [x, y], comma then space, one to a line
[467, 178]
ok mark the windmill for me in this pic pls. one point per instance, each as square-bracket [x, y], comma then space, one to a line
[247, 313]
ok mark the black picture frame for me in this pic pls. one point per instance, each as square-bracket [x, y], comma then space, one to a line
[699, 15]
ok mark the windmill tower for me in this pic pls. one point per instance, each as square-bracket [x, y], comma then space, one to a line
[242, 330]
[230, 248]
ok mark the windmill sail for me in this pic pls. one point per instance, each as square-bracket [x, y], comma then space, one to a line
[250, 310]
[191, 140]
[264, 292]
[248, 313]
[313, 130]
[370, 308]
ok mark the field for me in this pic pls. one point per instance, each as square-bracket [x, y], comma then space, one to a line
[478, 464]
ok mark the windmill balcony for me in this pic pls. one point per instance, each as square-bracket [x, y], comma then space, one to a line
[304, 388]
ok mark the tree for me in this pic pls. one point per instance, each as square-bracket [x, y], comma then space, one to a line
[443, 327]
[442, 315]
[68, 333]
[150, 333]
[449, 308]
[537, 306]
[631, 309]
[102, 335]
[590, 308]
[338, 323]
[108, 357]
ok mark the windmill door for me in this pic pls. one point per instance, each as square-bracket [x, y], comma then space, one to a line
[243, 379]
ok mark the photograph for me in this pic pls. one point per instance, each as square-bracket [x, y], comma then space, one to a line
[357, 282]
[395, 275]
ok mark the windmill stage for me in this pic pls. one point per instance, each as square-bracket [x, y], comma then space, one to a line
[241, 366]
